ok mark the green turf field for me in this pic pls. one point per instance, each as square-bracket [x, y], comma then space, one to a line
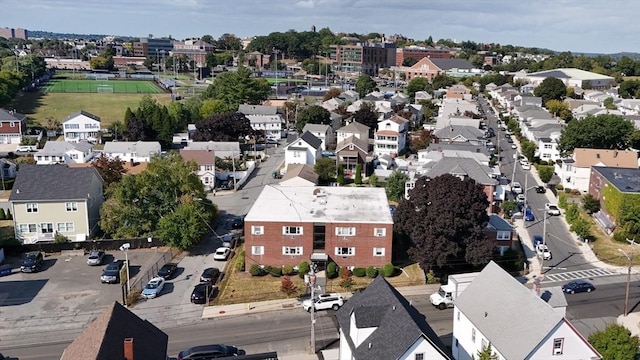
[101, 86]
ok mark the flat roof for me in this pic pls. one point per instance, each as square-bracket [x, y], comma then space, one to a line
[624, 179]
[325, 204]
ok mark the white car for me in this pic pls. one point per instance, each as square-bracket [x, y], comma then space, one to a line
[544, 252]
[525, 164]
[516, 188]
[222, 253]
[324, 302]
[552, 209]
[514, 146]
[153, 288]
[521, 198]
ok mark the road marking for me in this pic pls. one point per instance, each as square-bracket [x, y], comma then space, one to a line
[578, 274]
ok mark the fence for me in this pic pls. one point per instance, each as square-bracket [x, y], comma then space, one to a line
[142, 278]
[104, 244]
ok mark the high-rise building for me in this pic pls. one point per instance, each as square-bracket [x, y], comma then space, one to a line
[153, 47]
[10, 33]
[363, 58]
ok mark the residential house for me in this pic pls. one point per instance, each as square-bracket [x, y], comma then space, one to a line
[299, 175]
[133, 152]
[460, 134]
[612, 183]
[437, 152]
[417, 114]
[391, 136]
[206, 162]
[332, 104]
[351, 152]
[304, 150]
[349, 96]
[81, 126]
[422, 96]
[457, 108]
[430, 68]
[12, 127]
[62, 152]
[351, 226]
[68, 205]
[575, 172]
[325, 133]
[629, 106]
[222, 149]
[500, 232]
[9, 169]
[458, 92]
[270, 125]
[118, 333]
[481, 318]
[369, 317]
[355, 129]
[443, 122]
[247, 109]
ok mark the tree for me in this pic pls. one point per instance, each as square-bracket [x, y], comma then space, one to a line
[630, 89]
[615, 343]
[395, 185]
[528, 149]
[442, 81]
[487, 354]
[418, 84]
[212, 107]
[238, 87]
[111, 170]
[340, 177]
[444, 219]
[597, 132]
[551, 89]
[635, 140]
[590, 204]
[409, 61]
[365, 85]
[373, 180]
[314, 114]
[420, 139]
[559, 108]
[325, 168]
[581, 227]
[358, 178]
[136, 129]
[367, 116]
[332, 93]
[229, 126]
[608, 104]
[545, 172]
[508, 207]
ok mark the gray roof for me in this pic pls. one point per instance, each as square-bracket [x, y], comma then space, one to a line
[497, 223]
[625, 180]
[452, 131]
[61, 147]
[354, 127]
[458, 146]
[257, 109]
[52, 182]
[448, 64]
[315, 128]
[141, 148]
[311, 139]
[398, 324]
[8, 115]
[362, 144]
[554, 296]
[223, 149]
[528, 318]
[78, 113]
[466, 167]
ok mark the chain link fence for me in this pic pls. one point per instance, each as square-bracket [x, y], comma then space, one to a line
[142, 278]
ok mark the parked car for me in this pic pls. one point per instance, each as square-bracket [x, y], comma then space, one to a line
[541, 189]
[95, 258]
[209, 352]
[237, 222]
[202, 292]
[516, 188]
[222, 254]
[543, 251]
[111, 274]
[552, 209]
[32, 261]
[167, 270]
[153, 288]
[324, 302]
[576, 286]
[537, 240]
[210, 275]
[525, 164]
[514, 146]
[26, 148]
[521, 198]
[528, 214]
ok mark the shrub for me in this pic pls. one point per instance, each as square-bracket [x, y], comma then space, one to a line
[332, 270]
[388, 270]
[567, 190]
[572, 213]
[275, 271]
[589, 204]
[303, 268]
[562, 200]
[559, 187]
[256, 270]
[287, 286]
[359, 272]
[239, 262]
[575, 192]
[372, 272]
[3, 215]
[347, 281]
[287, 270]
[60, 239]
[431, 278]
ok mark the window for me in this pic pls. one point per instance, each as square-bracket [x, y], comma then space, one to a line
[484, 344]
[257, 250]
[473, 335]
[72, 206]
[345, 251]
[292, 250]
[74, 156]
[458, 315]
[257, 230]
[27, 228]
[32, 207]
[420, 356]
[548, 146]
[558, 344]
[378, 251]
[46, 228]
[379, 232]
[208, 168]
[503, 235]
[292, 230]
[346, 231]
[65, 227]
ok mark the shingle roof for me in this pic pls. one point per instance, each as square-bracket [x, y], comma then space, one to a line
[320, 128]
[362, 144]
[52, 182]
[201, 157]
[78, 113]
[103, 339]
[257, 109]
[7, 115]
[141, 148]
[492, 314]
[303, 171]
[461, 166]
[498, 223]
[61, 147]
[311, 139]
[398, 324]
[356, 127]
[617, 158]
[448, 64]
[452, 131]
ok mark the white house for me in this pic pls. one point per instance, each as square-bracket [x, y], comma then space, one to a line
[391, 136]
[323, 132]
[136, 152]
[304, 150]
[206, 161]
[81, 126]
[60, 152]
[355, 129]
[518, 323]
[271, 125]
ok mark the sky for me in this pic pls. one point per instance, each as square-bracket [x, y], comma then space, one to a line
[589, 26]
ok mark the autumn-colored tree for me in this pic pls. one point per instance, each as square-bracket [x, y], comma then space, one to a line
[111, 170]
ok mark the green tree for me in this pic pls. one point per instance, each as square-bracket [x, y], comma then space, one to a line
[358, 178]
[635, 140]
[373, 180]
[395, 185]
[597, 132]
[212, 107]
[616, 343]
[630, 89]
[581, 227]
[442, 81]
[340, 178]
[559, 108]
[487, 354]
[528, 149]
[325, 168]
[590, 204]
[608, 104]
[314, 114]
[418, 84]
[235, 88]
[111, 170]
[572, 213]
[551, 89]
[508, 207]
[365, 85]
[545, 172]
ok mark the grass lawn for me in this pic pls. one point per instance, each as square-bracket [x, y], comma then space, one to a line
[109, 107]
[101, 86]
[606, 248]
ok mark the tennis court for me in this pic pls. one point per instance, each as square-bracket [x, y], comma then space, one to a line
[101, 86]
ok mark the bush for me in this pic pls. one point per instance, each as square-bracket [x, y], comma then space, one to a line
[572, 213]
[256, 270]
[562, 200]
[239, 262]
[275, 271]
[303, 269]
[372, 272]
[431, 278]
[347, 281]
[332, 270]
[575, 192]
[60, 239]
[559, 187]
[388, 270]
[287, 286]
[287, 270]
[3, 215]
[359, 272]
[590, 204]
[567, 190]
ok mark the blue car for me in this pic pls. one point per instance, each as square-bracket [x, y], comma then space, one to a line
[528, 214]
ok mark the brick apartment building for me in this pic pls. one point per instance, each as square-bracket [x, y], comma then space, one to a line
[347, 225]
[10, 33]
[420, 52]
[364, 58]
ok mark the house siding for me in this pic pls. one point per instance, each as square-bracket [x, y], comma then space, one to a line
[50, 212]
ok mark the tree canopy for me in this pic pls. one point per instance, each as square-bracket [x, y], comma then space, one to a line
[418, 84]
[111, 170]
[366, 115]
[395, 185]
[551, 89]
[444, 219]
[229, 126]
[235, 88]
[616, 343]
[597, 132]
[365, 85]
[325, 168]
[314, 114]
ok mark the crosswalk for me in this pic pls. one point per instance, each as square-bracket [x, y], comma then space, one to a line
[578, 274]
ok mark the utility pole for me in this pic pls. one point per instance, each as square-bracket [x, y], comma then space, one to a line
[626, 296]
[312, 284]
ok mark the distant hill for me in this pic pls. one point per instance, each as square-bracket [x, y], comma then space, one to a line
[616, 56]
[53, 35]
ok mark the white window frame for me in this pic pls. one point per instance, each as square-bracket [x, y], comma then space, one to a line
[558, 346]
[47, 226]
[257, 250]
[379, 232]
[65, 227]
[419, 356]
[377, 251]
[345, 231]
[503, 235]
[257, 230]
[32, 207]
[71, 206]
[27, 228]
[340, 251]
[292, 250]
[286, 230]
[473, 335]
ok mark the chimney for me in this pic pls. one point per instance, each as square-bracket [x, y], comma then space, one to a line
[128, 349]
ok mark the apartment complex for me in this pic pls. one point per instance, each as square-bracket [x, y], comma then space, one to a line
[10, 33]
[420, 52]
[153, 47]
[364, 58]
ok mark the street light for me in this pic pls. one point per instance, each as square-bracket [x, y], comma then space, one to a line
[125, 247]
[626, 296]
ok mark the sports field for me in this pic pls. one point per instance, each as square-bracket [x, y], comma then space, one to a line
[57, 85]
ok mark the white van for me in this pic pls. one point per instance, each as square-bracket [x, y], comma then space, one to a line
[26, 148]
